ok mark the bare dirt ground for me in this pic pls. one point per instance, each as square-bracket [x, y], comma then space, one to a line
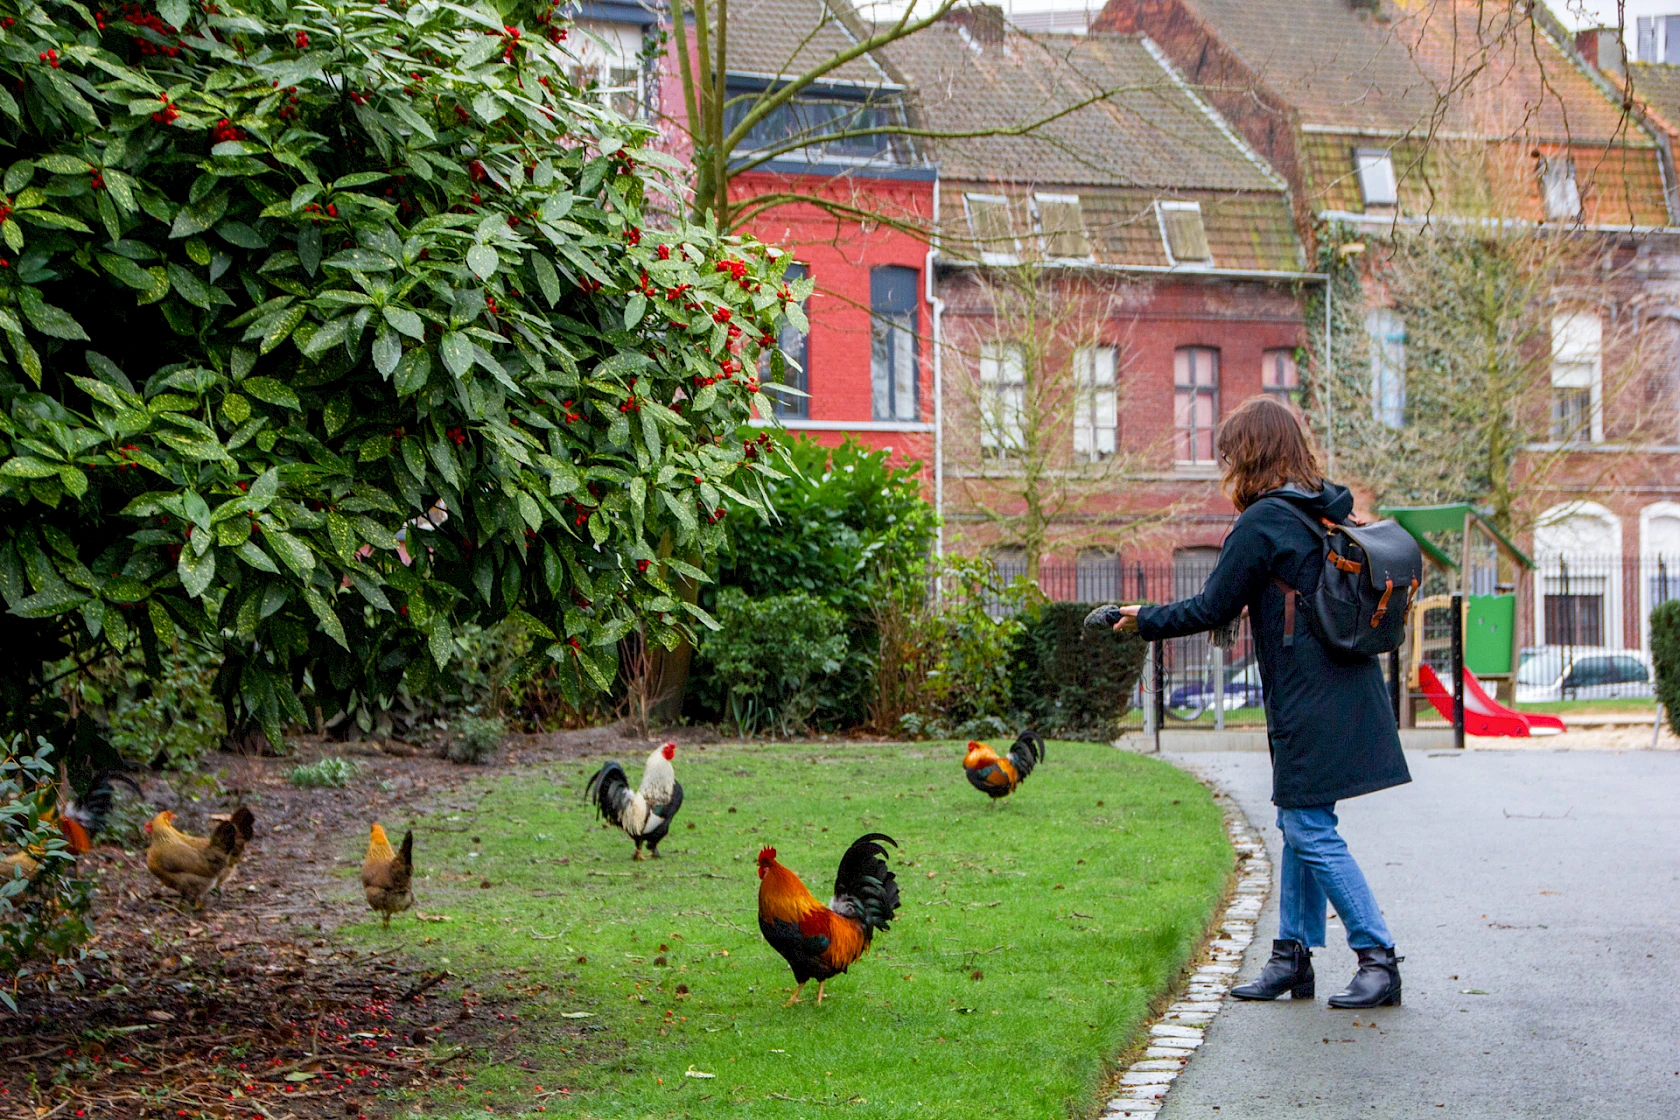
[249, 1008]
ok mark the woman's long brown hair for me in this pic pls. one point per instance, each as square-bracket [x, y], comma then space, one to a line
[1263, 446]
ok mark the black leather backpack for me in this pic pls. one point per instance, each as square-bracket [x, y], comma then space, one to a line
[1370, 574]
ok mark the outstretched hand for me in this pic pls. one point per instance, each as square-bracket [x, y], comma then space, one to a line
[1128, 620]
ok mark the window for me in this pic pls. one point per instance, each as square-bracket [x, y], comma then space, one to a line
[1195, 403]
[1575, 620]
[993, 229]
[608, 58]
[795, 350]
[814, 127]
[1387, 333]
[1278, 374]
[1183, 232]
[1658, 38]
[1377, 185]
[1097, 576]
[1576, 377]
[1191, 569]
[1003, 398]
[1010, 563]
[1557, 184]
[1061, 226]
[892, 352]
[1095, 403]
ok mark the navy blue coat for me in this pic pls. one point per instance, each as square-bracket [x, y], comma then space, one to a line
[1329, 719]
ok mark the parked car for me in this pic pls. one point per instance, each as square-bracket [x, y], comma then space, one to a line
[1242, 689]
[1546, 673]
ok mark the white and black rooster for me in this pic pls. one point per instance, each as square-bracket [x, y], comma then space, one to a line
[644, 814]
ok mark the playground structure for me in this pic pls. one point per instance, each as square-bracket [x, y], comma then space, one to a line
[1469, 633]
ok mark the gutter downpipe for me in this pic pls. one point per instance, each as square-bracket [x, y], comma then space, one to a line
[1328, 372]
[937, 307]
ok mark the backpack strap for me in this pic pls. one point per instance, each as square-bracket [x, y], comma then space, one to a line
[1290, 595]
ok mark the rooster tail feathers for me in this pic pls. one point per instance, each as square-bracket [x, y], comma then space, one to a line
[609, 788]
[91, 808]
[406, 854]
[1027, 752]
[225, 838]
[244, 822]
[865, 881]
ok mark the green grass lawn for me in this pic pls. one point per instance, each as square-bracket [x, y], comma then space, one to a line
[1033, 934]
[1617, 707]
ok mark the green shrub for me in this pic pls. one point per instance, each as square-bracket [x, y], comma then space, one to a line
[170, 719]
[982, 620]
[775, 657]
[44, 918]
[1665, 658]
[474, 740]
[324, 773]
[846, 524]
[289, 279]
[1070, 682]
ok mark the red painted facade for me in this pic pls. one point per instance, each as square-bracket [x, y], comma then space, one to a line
[839, 254]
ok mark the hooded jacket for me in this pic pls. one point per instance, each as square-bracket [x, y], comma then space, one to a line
[1328, 718]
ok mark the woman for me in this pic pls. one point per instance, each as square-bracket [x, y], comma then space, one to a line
[1328, 718]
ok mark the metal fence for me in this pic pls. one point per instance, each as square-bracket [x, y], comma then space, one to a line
[1584, 633]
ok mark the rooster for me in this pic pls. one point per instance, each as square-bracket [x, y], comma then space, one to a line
[820, 942]
[79, 819]
[186, 864]
[645, 815]
[386, 874]
[997, 776]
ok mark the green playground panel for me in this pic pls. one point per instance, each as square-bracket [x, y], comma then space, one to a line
[1491, 621]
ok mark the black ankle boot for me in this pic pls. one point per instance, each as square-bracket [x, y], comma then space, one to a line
[1376, 984]
[1289, 970]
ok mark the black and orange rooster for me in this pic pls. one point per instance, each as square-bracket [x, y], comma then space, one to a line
[79, 818]
[997, 776]
[820, 942]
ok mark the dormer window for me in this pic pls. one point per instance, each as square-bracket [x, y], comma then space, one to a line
[1061, 226]
[1562, 193]
[993, 229]
[1377, 184]
[1183, 232]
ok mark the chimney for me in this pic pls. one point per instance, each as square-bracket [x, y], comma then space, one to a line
[985, 22]
[1602, 46]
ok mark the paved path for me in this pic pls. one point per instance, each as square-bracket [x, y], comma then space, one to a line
[1548, 881]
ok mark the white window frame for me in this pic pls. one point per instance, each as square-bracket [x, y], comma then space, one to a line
[1559, 189]
[1044, 238]
[1003, 398]
[1386, 332]
[601, 47]
[1162, 206]
[1578, 361]
[992, 256]
[1096, 402]
[1368, 165]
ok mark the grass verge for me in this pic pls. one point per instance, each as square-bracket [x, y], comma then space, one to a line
[1033, 935]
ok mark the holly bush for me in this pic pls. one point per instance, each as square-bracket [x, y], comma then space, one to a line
[331, 328]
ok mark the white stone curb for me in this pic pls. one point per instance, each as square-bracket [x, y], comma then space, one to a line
[1175, 1036]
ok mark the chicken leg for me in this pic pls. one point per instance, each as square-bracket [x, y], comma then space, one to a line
[820, 984]
[794, 998]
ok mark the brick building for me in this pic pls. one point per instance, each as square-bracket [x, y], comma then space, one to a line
[1108, 284]
[853, 211]
[1359, 106]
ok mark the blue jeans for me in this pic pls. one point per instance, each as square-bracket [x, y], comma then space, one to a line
[1318, 867]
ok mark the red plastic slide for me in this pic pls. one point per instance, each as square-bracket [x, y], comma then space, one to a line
[1483, 715]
